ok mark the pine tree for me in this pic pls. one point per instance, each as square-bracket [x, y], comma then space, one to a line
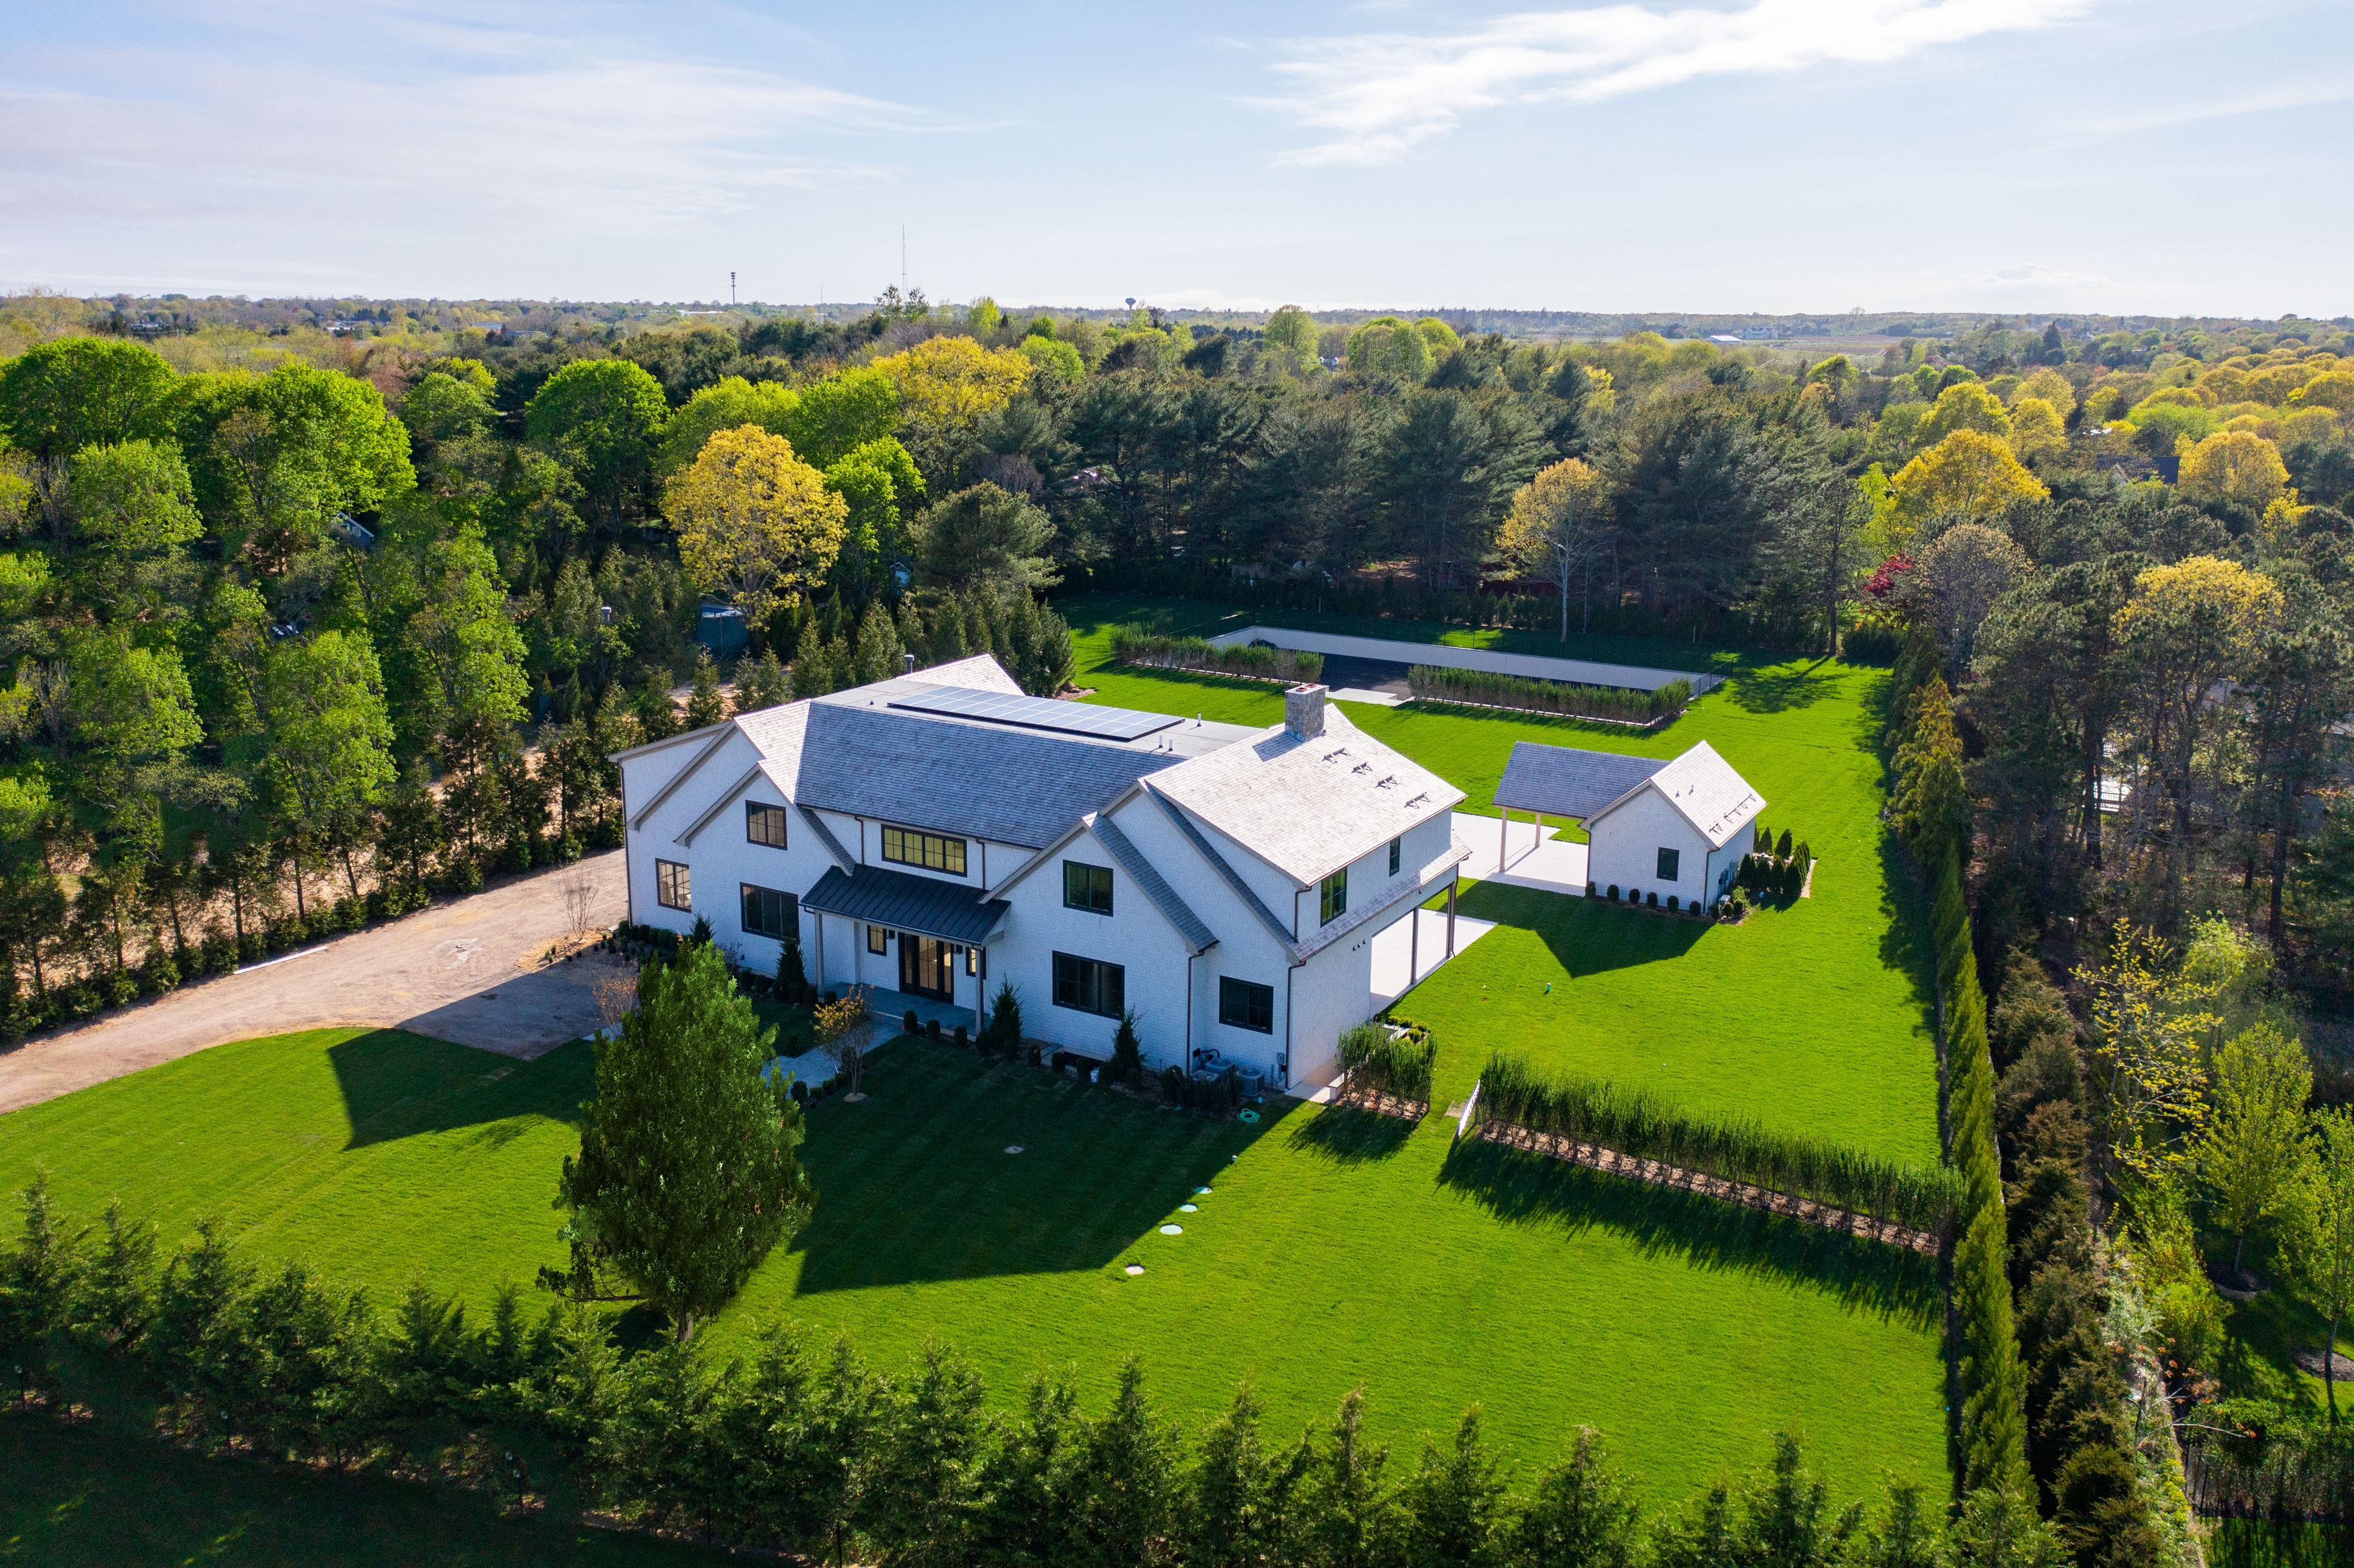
[1124, 1485]
[687, 1173]
[761, 683]
[705, 703]
[1003, 1031]
[1453, 1504]
[1242, 1499]
[1580, 1516]
[925, 1487]
[1347, 1513]
[812, 670]
[657, 714]
[38, 1277]
[1127, 1056]
[878, 652]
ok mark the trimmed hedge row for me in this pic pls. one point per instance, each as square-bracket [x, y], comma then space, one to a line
[1135, 645]
[1431, 683]
[1376, 1061]
[1639, 1124]
[1993, 1415]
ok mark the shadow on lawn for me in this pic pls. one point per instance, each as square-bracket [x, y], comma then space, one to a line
[1779, 688]
[397, 1084]
[914, 1184]
[1585, 935]
[1349, 1137]
[1527, 1188]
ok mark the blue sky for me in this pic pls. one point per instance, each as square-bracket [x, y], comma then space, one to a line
[2018, 155]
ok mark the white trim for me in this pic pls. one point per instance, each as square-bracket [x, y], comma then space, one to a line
[727, 797]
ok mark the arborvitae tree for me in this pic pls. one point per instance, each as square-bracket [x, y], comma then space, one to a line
[1782, 845]
[1786, 1516]
[667, 1437]
[946, 641]
[705, 703]
[657, 714]
[761, 683]
[1241, 1499]
[914, 636]
[1452, 1506]
[813, 668]
[1581, 1514]
[1905, 1534]
[792, 981]
[926, 1483]
[687, 1173]
[1346, 1519]
[1127, 1055]
[1124, 1485]
[192, 1348]
[878, 653]
[118, 1293]
[38, 1275]
[1026, 1518]
[1003, 1031]
[1703, 1535]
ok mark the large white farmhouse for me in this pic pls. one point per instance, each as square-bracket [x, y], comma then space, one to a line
[1677, 829]
[934, 834]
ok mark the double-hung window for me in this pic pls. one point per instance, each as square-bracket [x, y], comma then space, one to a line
[933, 852]
[769, 913]
[1245, 1005]
[672, 888]
[1090, 985]
[764, 824]
[1086, 888]
[1332, 900]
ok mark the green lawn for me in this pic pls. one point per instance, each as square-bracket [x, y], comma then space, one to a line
[1814, 1019]
[78, 1497]
[1333, 1250]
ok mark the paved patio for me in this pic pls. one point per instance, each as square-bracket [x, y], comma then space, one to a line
[1520, 854]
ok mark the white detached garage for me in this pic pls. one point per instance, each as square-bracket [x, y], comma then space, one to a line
[1677, 828]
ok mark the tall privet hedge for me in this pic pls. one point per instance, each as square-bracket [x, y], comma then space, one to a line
[1636, 1123]
[1993, 1423]
[1135, 645]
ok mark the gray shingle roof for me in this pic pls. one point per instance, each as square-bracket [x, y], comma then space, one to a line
[1145, 874]
[1016, 787]
[906, 902]
[1565, 781]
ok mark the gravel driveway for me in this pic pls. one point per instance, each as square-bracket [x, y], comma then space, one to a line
[470, 971]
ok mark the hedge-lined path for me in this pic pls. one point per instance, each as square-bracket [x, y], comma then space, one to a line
[469, 971]
[1553, 1145]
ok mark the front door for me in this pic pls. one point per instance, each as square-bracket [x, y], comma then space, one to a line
[927, 967]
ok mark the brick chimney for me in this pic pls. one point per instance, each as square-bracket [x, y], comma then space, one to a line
[1303, 711]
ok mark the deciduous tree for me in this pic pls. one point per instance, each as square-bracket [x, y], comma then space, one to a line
[1559, 525]
[756, 524]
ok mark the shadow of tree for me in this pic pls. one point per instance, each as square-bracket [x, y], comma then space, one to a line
[1779, 688]
[397, 1084]
[1529, 1189]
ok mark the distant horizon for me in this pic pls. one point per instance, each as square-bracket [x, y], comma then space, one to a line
[704, 307]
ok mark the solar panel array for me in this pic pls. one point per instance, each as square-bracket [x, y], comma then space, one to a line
[1037, 713]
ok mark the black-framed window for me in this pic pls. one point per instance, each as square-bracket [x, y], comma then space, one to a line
[1669, 861]
[674, 888]
[1090, 985]
[878, 938]
[769, 913]
[1086, 886]
[1398, 853]
[933, 852]
[1245, 1005]
[1332, 899]
[764, 824]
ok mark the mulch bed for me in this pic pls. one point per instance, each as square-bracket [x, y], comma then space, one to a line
[1805, 1210]
[1380, 1104]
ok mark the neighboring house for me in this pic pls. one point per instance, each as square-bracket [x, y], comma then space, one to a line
[1675, 828]
[937, 833]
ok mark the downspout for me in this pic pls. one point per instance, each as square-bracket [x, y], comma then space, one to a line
[1286, 1024]
[1189, 1010]
[628, 858]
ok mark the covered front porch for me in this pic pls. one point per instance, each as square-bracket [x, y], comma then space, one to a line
[893, 1007]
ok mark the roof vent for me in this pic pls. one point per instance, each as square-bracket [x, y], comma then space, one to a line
[907, 663]
[1303, 711]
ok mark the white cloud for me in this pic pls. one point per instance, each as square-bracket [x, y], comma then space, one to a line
[2031, 276]
[584, 124]
[1382, 93]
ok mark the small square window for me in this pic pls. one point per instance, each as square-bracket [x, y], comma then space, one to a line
[1669, 861]
[674, 889]
[1245, 1005]
[878, 938]
[764, 824]
[1332, 899]
[1086, 888]
[1397, 849]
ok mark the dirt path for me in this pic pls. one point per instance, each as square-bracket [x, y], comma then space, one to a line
[471, 972]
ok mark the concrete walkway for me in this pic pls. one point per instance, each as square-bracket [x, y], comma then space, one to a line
[471, 972]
